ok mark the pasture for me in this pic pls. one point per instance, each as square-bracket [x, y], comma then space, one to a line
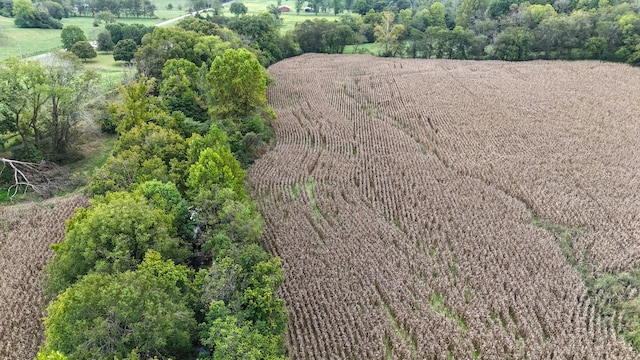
[438, 209]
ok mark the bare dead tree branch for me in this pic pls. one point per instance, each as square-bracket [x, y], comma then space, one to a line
[28, 175]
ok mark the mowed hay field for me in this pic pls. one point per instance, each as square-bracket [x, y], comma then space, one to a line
[26, 233]
[434, 209]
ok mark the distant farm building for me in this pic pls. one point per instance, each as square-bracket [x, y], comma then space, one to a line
[284, 8]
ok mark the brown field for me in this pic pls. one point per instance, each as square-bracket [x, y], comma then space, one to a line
[431, 209]
[26, 232]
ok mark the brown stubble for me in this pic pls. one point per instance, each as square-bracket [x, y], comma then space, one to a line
[26, 234]
[400, 195]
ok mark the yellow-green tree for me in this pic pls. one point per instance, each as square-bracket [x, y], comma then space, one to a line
[387, 34]
[238, 83]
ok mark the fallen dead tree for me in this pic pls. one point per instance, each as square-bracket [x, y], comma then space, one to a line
[28, 176]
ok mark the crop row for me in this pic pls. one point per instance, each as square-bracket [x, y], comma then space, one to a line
[401, 196]
[26, 232]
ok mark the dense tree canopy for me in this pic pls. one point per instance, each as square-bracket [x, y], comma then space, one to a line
[112, 236]
[239, 84]
[140, 312]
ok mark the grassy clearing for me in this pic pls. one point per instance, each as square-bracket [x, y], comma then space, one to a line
[113, 73]
[289, 20]
[71, 178]
[369, 48]
[15, 41]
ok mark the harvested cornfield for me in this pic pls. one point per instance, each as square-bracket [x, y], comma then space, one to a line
[434, 209]
[26, 233]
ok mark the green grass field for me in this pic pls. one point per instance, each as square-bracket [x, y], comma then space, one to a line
[369, 48]
[290, 19]
[29, 42]
[112, 73]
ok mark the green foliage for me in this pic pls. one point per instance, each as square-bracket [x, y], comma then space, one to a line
[141, 312]
[387, 34]
[140, 107]
[166, 196]
[239, 84]
[105, 16]
[146, 152]
[263, 33]
[42, 102]
[238, 8]
[514, 44]
[83, 50]
[111, 236]
[320, 35]
[70, 35]
[106, 308]
[125, 50]
[229, 338]
[135, 32]
[164, 44]
[28, 16]
[104, 41]
[616, 300]
[179, 89]
[216, 169]
[51, 355]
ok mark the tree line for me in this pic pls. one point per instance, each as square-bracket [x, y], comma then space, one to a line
[166, 260]
[46, 14]
[484, 29]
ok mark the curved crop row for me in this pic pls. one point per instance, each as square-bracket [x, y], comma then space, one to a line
[405, 198]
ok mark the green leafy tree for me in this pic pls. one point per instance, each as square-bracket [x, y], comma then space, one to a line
[112, 236]
[238, 83]
[437, 13]
[142, 312]
[22, 97]
[595, 48]
[26, 15]
[70, 35]
[104, 41]
[139, 106]
[145, 152]
[105, 16]
[238, 8]
[262, 31]
[537, 13]
[361, 6]
[227, 337]
[387, 34]
[72, 88]
[468, 11]
[164, 44]
[339, 37]
[514, 44]
[179, 89]
[216, 168]
[125, 50]
[54, 9]
[83, 50]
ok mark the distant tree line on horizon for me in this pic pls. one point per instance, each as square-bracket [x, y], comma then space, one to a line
[46, 14]
[511, 30]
